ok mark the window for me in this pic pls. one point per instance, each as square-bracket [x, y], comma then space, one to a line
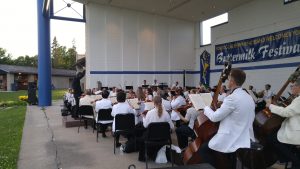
[205, 27]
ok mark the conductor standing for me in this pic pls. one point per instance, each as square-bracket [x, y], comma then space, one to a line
[77, 90]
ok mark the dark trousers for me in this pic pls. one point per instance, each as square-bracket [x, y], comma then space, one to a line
[285, 152]
[103, 127]
[183, 133]
[75, 111]
[217, 159]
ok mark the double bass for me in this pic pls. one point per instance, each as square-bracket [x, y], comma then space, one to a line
[265, 123]
[204, 128]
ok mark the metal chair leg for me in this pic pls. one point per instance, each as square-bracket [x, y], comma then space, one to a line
[172, 160]
[146, 156]
[79, 124]
[114, 145]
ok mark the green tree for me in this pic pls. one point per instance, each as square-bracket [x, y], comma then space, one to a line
[62, 57]
[5, 58]
[26, 61]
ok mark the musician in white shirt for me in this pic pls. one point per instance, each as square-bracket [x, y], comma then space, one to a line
[236, 116]
[177, 101]
[113, 92]
[165, 102]
[104, 103]
[121, 108]
[158, 114]
[288, 135]
[185, 131]
[268, 93]
[86, 100]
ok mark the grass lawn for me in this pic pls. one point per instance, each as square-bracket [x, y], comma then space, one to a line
[14, 96]
[11, 128]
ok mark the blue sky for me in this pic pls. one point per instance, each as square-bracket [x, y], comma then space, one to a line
[18, 28]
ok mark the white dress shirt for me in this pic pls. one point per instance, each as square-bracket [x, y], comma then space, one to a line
[152, 116]
[191, 116]
[289, 131]
[175, 104]
[122, 108]
[86, 101]
[167, 105]
[236, 116]
[103, 104]
[268, 94]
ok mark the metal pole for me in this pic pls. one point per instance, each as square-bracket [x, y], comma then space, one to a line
[44, 59]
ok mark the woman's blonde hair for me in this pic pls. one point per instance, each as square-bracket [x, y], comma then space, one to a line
[158, 104]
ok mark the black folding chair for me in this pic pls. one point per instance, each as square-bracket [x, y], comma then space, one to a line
[103, 115]
[158, 134]
[124, 125]
[85, 113]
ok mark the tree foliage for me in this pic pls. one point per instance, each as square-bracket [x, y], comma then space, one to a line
[61, 57]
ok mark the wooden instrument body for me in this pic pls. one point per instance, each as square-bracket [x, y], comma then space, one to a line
[266, 123]
[203, 127]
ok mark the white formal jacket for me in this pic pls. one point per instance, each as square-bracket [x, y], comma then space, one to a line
[236, 116]
[289, 131]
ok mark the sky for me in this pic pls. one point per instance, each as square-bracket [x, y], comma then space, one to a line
[18, 27]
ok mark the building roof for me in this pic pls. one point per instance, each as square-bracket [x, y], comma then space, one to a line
[33, 70]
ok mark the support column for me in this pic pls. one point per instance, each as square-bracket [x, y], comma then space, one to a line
[44, 59]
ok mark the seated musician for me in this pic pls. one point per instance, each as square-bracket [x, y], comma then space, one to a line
[149, 95]
[289, 132]
[86, 100]
[121, 108]
[177, 101]
[104, 103]
[165, 102]
[236, 116]
[158, 114]
[185, 131]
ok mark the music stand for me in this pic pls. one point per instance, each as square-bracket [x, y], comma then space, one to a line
[129, 87]
[145, 86]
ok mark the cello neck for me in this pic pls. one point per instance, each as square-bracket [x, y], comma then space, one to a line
[292, 78]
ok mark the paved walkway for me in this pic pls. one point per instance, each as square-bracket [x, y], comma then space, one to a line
[46, 144]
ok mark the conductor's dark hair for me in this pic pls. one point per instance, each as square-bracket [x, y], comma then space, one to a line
[238, 75]
[121, 96]
[105, 94]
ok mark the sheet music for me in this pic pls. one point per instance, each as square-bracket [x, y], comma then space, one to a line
[134, 103]
[113, 100]
[200, 100]
[149, 105]
[96, 97]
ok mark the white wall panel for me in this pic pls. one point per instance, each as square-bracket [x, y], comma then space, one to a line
[130, 40]
[114, 39]
[146, 42]
[125, 40]
[162, 44]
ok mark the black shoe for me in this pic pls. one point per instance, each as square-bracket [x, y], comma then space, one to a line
[103, 135]
[142, 159]
[118, 144]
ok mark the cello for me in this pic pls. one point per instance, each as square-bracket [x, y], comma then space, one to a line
[203, 127]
